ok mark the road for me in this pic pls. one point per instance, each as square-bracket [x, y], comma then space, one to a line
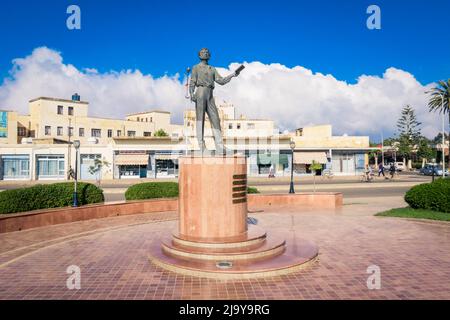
[351, 187]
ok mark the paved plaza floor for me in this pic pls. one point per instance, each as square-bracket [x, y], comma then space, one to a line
[112, 254]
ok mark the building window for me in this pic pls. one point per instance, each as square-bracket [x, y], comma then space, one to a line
[50, 167]
[70, 111]
[250, 126]
[146, 119]
[119, 133]
[59, 131]
[81, 132]
[131, 133]
[48, 130]
[147, 134]
[15, 167]
[138, 118]
[70, 131]
[97, 133]
[21, 131]
[151, 119]
[230, 126]
[60, 109]
[109, 133]
[238, 126]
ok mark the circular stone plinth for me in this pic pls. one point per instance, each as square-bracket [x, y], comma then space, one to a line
[296, 255]
[254, 236]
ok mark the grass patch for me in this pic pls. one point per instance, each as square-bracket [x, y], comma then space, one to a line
[416, 214]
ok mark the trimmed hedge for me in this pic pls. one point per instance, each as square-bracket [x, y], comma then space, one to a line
[152, 190]
[155, 190]
[433, 196]
[45, 196]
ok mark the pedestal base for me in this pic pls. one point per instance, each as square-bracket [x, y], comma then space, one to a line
[254, 255]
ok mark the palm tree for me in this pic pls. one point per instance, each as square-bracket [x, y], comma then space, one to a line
[436, 94]
[440, 99]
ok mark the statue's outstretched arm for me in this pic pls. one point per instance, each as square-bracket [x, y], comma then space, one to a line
[220, 80]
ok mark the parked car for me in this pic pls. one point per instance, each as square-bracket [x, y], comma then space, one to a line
[400, 166]
[428, 169]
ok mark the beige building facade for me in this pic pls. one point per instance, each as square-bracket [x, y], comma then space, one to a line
[39, 146]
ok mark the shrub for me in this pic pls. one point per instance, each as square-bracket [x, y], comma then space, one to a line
[434, 196]
[152, 190]
[252, 190]
[417, 165]
[44, 196]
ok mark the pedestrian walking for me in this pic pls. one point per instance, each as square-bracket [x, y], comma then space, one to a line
[381, 170]
[392, 170]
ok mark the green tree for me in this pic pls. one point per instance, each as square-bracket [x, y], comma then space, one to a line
[161, 133]
[409, 131]
[314, 167]
[96, 168]
[390, 141]
[440, 98]
[438, 138]
[424, 150]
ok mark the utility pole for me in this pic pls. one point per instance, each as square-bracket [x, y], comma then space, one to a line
[69, 148]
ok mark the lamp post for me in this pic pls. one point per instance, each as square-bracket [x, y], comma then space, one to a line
[291, 188]
[76, 144]
[443, 136]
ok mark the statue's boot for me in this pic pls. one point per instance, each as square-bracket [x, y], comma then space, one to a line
[222, 151]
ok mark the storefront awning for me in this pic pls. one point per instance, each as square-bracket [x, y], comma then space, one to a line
[131, 159]
[166, 156]
[308, 157]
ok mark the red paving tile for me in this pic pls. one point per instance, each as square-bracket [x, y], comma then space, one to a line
[414, 258]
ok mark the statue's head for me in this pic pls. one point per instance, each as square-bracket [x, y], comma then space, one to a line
[204, 54]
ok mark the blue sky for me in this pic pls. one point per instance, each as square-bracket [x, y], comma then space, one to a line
[159, 37]
[370, 74]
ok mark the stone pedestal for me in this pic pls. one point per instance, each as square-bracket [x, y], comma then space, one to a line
[213, 197]
[213, 239]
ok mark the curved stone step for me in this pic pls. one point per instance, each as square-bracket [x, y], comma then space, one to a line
[270, 247]
[255, 235]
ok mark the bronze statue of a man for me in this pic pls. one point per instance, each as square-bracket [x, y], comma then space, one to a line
[203, 78]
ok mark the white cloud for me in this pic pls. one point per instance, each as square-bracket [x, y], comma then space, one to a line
[293, 97]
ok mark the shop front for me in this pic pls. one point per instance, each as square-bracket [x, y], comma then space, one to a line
[348, 162]
[50, 167]
[15, 167]
[304, 159]
[272, 163]
[131, 166]
[87, 162]
[166, 165]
